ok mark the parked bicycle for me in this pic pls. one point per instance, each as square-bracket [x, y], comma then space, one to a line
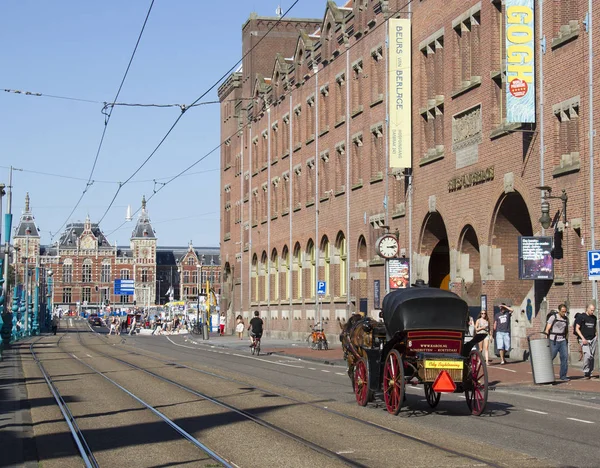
[317, 338]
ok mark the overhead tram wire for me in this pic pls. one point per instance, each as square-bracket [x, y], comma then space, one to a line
[184, 109]
[155, 192]
[107, 120]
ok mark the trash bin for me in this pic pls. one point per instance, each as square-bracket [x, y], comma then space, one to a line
[540, 356]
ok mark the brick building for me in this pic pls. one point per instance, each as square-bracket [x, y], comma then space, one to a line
[85, 265]
[306, 183]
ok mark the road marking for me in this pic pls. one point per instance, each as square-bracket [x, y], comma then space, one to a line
[505, 369]
[535, 411]
[323, 370]
[70, 322]
[581, 420]
[88, 355]
[311, 368]
[523, 394]
[344, 451]
[270, 362]
[340, 373]
[180, 345]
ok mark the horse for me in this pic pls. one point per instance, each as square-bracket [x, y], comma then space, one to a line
[357, 333]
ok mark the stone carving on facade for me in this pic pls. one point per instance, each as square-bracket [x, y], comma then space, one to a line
[466, 129]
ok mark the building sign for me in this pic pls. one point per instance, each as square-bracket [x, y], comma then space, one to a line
[400, 134]
[535, 258]
[376, 294]
[472, 178]
[399, 273]
[520, 62]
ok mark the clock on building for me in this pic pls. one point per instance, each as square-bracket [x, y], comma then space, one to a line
[87, 243]
[387, 246]
[145, 252]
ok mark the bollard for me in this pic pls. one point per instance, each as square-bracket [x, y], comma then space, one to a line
[540, 356]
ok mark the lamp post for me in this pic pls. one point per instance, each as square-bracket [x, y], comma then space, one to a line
[545, 219]
[49, 301]
[198, 283]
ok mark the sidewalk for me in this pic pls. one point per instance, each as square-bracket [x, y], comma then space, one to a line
[516, 374]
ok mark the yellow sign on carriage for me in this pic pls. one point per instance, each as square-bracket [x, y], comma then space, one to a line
[444, 364]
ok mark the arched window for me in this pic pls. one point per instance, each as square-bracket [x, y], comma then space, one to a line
[327, 263]
[255, 273]
[105, 276]
[86, 271]
[342, 252]
[67, 271]
[310, 252]
[298, 262]
[264, 264]
[275, 275]
[285, 266]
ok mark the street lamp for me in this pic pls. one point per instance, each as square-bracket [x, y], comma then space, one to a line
[49, 301]
[545, 219]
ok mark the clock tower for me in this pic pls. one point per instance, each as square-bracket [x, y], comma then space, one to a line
[143, 246]
[27, 241]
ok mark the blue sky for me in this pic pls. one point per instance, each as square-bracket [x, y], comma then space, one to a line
[80, 49]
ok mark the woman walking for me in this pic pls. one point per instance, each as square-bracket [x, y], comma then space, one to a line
[482, 326]
[239, 328]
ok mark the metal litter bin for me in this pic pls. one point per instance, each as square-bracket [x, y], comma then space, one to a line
[540, 356]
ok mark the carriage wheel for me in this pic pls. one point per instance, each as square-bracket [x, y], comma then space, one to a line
[478, 393]
[433, 397]
[361, 383]
[393, 382]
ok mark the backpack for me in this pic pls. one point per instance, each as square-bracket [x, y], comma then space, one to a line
[556, 314]
[578, 316]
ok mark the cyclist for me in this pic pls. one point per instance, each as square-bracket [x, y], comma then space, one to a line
[255, 327]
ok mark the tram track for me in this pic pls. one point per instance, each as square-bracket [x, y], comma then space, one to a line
[78, 435]
[346, 417]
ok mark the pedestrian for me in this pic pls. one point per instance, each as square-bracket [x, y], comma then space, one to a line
[132, 329]
[585, 329]
[502, 330]
[557, 329]
[157, 325]
[54, 323]
[239, 328]
[482, 327]
[113, 326]
[222, 321]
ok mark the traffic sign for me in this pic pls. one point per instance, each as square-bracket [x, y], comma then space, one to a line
[593, 265]
[321, 287]
[124, 287]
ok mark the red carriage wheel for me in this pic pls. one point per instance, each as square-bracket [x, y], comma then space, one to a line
[393, 382]
[361, 383]
[476, 392]
[433, 397]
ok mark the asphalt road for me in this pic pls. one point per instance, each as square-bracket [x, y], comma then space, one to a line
[274, 411]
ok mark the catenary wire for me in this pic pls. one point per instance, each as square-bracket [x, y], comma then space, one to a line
[215, 84]
[180, 174]
[107, 118]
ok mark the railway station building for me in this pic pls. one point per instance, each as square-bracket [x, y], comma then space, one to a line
[435, 121]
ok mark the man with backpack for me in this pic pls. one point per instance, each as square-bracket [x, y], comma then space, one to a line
[557, 328]
[585, 328]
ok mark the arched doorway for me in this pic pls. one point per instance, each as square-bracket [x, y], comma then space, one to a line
[435, 244]
[468, 266]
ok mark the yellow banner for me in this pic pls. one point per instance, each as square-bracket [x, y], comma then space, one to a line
[444, 364]
[399, 77]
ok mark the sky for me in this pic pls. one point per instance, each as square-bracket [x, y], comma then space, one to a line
[78, 51]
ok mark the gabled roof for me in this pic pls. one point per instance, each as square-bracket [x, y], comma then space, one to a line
[73, 231]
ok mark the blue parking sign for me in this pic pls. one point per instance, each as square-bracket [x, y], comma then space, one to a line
[321, 287]
[594, 265]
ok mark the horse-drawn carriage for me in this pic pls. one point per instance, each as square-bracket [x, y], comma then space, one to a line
[421, 340]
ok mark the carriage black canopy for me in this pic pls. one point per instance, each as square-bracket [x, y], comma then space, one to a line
[424, 309]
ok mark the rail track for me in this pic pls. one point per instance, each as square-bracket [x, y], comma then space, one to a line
[264, 423]
[78, 435]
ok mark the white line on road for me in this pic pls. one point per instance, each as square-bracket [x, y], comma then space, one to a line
[535, 411]
[507, 370]
[341, 452]
[88, 355]
[311, 368]
[340, 373]
[180, 345]
[323, 370]
[270, 362]
[581, 420]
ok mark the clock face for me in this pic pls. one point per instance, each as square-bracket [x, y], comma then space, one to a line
[145, 252]
[87, 243]
[387, 246]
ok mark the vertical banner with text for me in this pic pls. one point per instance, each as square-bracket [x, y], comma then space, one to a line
[520, 61]
[399, 77]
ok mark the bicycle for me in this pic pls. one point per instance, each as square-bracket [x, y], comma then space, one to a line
[255, 348]
[196, 329]
[317, 339]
